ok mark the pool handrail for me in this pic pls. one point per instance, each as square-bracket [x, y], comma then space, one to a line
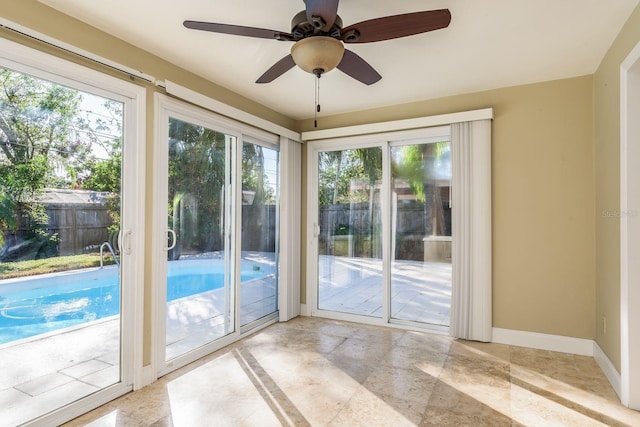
[113, 253]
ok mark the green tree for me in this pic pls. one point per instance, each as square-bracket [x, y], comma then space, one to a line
[197, 176]
[421, 166]
[104, 174]
[337, 170]
[43, 142]
[254, 175]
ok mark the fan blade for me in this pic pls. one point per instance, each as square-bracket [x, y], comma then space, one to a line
[356, 67]
[393, 27]
[278, 69]
[325, 9]
[237, 30]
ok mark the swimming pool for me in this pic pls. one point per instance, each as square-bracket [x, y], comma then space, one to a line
[41, 304]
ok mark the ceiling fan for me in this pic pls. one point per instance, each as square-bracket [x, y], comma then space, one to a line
[319, 36]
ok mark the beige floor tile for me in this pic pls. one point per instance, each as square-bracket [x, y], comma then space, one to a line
[499, 353]
[430, 362]
[597, 406]
[196, 398]
[472, 402]
[364, 348]
[368, 409]
[295, 339]
[485, 382]
[425, 341]
[412, 385]
[531, 408]
[319, 403]
[439, 417]
[150, 403]
[356, 368]
[319, 372]
[108, 418]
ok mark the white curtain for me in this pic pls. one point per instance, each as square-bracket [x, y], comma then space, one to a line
[289, 227]
[471, 315]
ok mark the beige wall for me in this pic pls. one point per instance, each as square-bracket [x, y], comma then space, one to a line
[543, 200]
[607, 173]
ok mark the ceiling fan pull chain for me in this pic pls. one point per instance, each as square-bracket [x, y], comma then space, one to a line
[315, 121]
[318, 100]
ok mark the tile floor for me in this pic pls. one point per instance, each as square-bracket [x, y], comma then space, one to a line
[319, 372]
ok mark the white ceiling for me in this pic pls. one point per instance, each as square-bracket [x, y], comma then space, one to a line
[489, 44]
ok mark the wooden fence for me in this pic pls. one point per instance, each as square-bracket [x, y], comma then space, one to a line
[80, 227]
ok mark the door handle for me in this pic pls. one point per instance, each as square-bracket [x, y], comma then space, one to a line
[124, 241]
[174, 240]
[316, 230]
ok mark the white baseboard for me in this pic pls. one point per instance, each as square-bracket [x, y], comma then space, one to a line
[561, 344]
[539, 341]
[609, 370]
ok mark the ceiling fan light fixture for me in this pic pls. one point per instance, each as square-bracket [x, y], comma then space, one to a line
[318, 54]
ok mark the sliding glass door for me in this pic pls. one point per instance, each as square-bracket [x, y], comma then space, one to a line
[70, 237]
[198, 284]
[260, 230]
[216, 232]
[381, 220]
[421, 231]
[350, 241]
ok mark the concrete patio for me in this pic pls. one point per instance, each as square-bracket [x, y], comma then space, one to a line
[420, 291]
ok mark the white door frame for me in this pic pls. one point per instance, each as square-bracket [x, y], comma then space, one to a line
[383, 141]
[630, 229]
[166, 107]
[313, 228]
[42, 65]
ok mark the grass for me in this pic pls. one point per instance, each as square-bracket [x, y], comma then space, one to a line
[10, 270]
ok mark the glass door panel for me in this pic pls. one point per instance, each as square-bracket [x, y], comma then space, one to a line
[350, 278]
[60, 215]
[199, 291]
[421, 232]
[259, 265]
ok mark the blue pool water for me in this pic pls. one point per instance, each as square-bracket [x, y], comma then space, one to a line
[44, 304]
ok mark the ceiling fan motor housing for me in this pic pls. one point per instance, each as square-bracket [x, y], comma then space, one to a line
[301, 27]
